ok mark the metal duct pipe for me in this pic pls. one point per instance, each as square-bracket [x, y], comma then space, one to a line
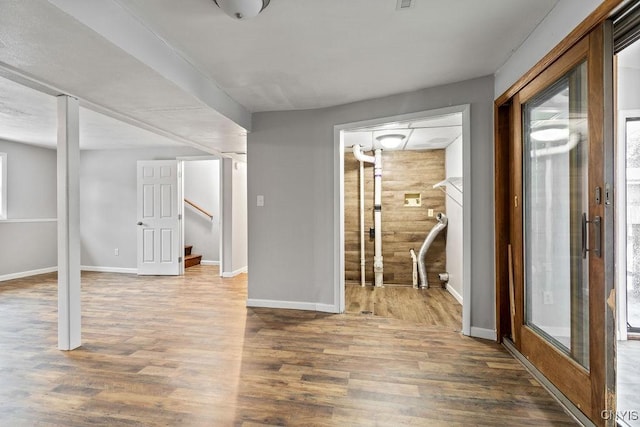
[422, 268]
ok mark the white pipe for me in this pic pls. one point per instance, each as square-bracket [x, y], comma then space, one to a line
[376, 159]
[422, 268]
[362, 254]
[377, 218]
[357, 151]
[414, 276]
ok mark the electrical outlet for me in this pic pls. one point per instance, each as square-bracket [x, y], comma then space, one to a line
[260, 200]
[547, 297]
[430, 213]
[116, 252]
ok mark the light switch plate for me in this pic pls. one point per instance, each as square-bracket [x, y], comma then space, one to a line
[260, 200]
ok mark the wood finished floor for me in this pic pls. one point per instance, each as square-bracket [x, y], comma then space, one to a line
[434, 306]
[185, 351]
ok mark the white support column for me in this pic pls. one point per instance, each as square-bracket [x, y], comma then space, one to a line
[69, 327]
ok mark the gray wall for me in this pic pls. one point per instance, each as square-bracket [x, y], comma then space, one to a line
[564, 17]
[31, 178]
[291, 163]
[108, 203]
[202, 186]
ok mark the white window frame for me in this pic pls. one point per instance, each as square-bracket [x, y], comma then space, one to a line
[3, 186]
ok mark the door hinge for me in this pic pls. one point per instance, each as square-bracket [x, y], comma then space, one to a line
[179, 217]
[179, 259]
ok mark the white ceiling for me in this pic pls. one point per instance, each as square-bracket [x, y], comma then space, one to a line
[426, 134]
[30, 115]
[301, 54]
[188, 71]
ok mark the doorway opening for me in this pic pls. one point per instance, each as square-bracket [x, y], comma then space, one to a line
[422, 212]
[201, 212]
[224, 196]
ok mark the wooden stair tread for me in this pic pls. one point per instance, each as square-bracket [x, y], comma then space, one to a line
[187, 249]
[192, 259]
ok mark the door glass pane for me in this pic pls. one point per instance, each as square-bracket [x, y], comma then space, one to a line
[556, 196]
[633, 224]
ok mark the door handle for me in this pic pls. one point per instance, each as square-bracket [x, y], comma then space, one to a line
[139, 223]
[596, 221]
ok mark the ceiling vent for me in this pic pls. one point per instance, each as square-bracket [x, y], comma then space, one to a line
[405, 4]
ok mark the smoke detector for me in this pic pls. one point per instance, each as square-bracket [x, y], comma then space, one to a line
[405, 4]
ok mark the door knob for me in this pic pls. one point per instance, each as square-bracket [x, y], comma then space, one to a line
[139, 223]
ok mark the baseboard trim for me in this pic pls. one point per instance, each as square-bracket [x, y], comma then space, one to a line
[205, 262]
[291, 305]
[29, 273]
[98, 269]
[487, 334]
[234, 273]
[455, 293]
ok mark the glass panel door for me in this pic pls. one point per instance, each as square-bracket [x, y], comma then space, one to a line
[561, 222]
[556, 158]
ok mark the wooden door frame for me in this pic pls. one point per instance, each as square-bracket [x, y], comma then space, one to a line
[508, 221]
[502, 150]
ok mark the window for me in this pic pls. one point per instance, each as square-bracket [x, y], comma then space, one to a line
[3, 186]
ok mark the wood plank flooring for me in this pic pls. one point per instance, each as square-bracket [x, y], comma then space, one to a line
[185, 351]
[433, 306]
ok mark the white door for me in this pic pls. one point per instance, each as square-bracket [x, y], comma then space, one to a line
[158, 218]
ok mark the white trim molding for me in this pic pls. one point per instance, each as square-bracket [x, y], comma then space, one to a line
[234, 273]
[487, 334]
[292, 305]
[26, 220]
[455, 294]
[98, 269]
[3, 186]
[29, 273]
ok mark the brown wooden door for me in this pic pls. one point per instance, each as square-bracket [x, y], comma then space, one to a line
[558, 228]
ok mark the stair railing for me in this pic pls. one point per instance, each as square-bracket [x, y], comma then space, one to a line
[199, 209]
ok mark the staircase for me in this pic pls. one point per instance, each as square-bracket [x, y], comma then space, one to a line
[190, 259]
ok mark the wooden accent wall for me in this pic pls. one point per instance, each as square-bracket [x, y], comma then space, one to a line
[403, 227]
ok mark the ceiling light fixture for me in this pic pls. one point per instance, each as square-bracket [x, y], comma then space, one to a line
[550, 134]
[391, 140]
[242, 9]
